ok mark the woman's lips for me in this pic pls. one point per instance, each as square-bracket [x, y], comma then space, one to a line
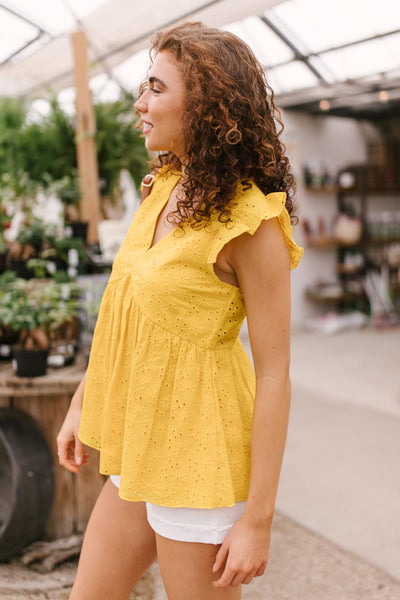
[147, 127]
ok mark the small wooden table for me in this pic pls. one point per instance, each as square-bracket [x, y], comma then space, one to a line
[46, 399]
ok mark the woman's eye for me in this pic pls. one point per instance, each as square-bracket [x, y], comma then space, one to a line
[155, 91]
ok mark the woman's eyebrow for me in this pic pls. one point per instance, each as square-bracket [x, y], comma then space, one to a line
[153, 79]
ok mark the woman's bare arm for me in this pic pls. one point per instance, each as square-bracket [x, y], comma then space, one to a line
[262, 266]
[71, 451]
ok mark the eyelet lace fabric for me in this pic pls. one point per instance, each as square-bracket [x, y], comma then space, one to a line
[169, 389]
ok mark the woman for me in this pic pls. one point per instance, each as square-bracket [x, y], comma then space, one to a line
[169, 392]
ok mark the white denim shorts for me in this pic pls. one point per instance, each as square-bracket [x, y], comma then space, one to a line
[205, 525]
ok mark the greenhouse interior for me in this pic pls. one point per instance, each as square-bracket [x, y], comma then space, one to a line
[73, 157]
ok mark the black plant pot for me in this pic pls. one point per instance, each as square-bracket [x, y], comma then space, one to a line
[3, 263]
[29, 363]
[21, 269]
[79, 229]
[8, 337]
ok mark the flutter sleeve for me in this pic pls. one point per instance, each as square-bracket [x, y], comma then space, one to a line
[251, 207]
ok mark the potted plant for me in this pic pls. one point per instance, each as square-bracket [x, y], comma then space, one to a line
[5, 223]
[35, 309]
[39, 252]
[63, 247]
[67, 189]
[7, 335]
[34, 237]
[18, 190]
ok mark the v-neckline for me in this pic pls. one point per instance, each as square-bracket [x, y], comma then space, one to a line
[150, 246]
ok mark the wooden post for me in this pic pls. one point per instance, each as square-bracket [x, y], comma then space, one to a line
[85, 140]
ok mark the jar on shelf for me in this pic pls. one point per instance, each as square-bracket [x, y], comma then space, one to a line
[347, 229]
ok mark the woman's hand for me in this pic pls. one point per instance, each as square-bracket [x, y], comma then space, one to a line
[244, 553]
[71, 452]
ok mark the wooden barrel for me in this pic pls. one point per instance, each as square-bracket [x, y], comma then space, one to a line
[26, 482]
[46, 400]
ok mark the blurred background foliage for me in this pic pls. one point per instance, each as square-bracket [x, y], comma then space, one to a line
[42, 151]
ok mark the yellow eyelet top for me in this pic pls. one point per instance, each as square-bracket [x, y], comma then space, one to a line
[169, 390]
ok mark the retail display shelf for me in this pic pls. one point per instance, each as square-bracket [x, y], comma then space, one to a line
[327, 242]
[346, 269]
[322, 297]
[377, 247]
[328, 189]
[387, 239]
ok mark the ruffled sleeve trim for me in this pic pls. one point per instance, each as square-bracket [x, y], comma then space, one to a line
[251, 209]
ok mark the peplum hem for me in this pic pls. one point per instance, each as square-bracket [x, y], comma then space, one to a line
[179, 430]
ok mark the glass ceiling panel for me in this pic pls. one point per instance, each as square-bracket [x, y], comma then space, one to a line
[294, 75]
[133, 71]
[324, 24]
[104, 89]
[66, 99]
[323, 69]
[14, 34]
[266, 45]
[53, 15]
[376, 56]
[83, 7]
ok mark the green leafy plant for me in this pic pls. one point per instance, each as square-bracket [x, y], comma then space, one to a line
[18, 190]
[36, 309]
[119, 145]
[5, 222]
[12, 119]
[64, 245]
[33, 238]
[67, 188]
[40, 246]
[37, 233]
[36, 154]
[38, 266]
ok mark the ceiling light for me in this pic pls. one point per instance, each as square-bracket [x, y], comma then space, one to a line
[324, 105]
[383, 96]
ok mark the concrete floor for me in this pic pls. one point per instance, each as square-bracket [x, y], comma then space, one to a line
[336, 534]
[341, 473]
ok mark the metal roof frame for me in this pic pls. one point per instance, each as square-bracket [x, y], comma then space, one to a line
[358, 97]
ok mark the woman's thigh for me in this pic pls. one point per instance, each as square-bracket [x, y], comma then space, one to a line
[118, 547]
[186, 570]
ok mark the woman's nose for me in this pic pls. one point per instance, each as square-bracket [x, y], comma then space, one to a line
[140, 105]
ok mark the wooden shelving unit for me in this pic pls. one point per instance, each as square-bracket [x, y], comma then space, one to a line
[351, 277]
[325, 242]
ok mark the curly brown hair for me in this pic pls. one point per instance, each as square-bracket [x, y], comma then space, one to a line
[229, 123]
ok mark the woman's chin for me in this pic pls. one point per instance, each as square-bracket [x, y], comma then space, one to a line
[153, 146]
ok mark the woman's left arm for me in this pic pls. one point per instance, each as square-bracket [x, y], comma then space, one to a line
[262, 266]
